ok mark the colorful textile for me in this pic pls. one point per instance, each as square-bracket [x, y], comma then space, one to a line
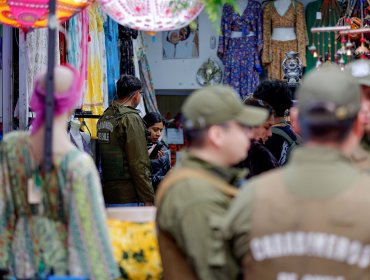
[241, 55]
[111, 46]
[135, 249]
[37, 52]
[96, 98]
[67, 230]
[78, 47]
[294, 18]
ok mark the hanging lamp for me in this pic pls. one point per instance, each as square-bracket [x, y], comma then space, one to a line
[27, 14]
[153, 15]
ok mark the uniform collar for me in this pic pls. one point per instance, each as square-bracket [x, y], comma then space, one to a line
[233, 176]
[319, 172]
[121, 107]
[306, 154]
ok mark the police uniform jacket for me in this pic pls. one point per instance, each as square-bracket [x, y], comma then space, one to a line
[126, 176]
[191, 212]
[308, 220]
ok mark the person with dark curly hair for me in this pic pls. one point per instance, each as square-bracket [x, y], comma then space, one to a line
[125, 164]
[259, 158]
[283, 140]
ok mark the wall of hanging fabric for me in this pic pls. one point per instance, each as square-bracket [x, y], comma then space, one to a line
[111, 47]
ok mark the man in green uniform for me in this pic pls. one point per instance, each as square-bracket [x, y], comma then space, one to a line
[125, 163]
[309, 220]
[194, 197]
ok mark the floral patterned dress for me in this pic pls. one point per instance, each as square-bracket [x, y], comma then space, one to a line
[240, 56]
[66, 231]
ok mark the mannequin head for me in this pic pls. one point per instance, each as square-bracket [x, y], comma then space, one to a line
[67, 92]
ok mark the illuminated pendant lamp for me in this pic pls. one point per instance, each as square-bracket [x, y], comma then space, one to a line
[27, 14]
[153, 15]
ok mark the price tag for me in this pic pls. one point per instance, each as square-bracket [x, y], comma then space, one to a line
[33, 192]
[318, 15]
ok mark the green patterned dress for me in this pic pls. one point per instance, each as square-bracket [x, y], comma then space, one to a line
[66, 232]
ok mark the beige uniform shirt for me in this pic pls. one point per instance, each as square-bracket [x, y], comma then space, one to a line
[191, 212]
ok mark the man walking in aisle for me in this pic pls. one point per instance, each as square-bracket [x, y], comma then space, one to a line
[125, 163]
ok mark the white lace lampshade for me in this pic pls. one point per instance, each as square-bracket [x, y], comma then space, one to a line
[153, 15]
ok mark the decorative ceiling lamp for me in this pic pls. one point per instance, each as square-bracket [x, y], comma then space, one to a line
[153, 15]
[27, 14]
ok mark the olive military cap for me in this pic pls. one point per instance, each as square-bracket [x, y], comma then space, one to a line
[328, 95]
[218, 104]
[360, 70]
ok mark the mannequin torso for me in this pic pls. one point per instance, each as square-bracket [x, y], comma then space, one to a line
[242, 4]
[77, 135]
[283, 33]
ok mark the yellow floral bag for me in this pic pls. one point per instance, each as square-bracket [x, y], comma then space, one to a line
[135, 248]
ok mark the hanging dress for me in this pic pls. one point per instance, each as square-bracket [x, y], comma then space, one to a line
[126, 35]
[96, 97]
[240, 56]
[111, 46]
[274, 51]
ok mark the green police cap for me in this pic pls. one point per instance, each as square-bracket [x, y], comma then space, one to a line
[328, 95]
[214, 105]
[360, 70]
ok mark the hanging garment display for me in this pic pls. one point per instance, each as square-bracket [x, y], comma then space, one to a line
[37, 52]
[111, 46]
[239, 45]
[96, 98]
[323, 47]
[77, 52]
[274, 50]
[126, 35]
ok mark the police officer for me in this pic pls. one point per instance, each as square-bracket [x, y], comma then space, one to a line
[309, 220]
[194, 197]
[125, 163]
[360, 70]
